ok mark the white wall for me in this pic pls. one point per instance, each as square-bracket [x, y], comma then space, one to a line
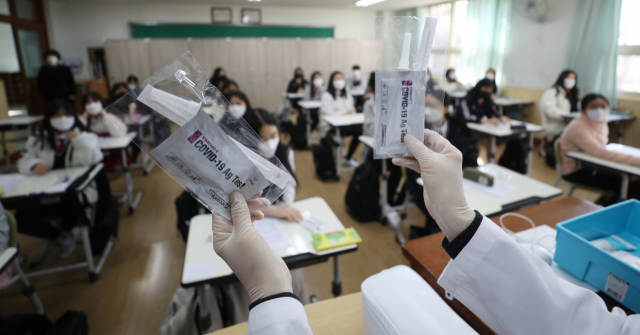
[537, 50]
[75, 26]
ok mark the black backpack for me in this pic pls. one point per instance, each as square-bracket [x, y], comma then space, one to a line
[298, 133]
[323, 159]
[514, 157]
[362, 196]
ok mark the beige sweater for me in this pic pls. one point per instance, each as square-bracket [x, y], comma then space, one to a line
[590, 137]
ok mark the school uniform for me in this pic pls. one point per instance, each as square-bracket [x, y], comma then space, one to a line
[340, 106]
[83, 150]
[107, 125]
[553, 103]
[313, 93]
[357, 87]
[475, 107]
[56, 82]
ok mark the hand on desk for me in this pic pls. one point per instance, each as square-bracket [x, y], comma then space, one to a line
[260, 270]
[440, 165]
[288, 213]
[41, 168]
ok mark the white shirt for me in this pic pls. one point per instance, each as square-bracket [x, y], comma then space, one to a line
[338, 106]
[552, 105]
[289, 194]
[107, 124]
[507, 286]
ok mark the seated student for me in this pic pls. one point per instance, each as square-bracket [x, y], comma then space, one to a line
[218, 78]
[589, 133]
[297, 83]
[230, 86]
[98, 120]
[239, 104]
[132, 82]
[118, 90]
[357, 87]
[491, 75]
[313, 92]
[61, 143]
[561, 98]
[478, 106]
[338, 101]
[452, 84]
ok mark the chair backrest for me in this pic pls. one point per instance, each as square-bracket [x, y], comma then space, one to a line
[13, 229]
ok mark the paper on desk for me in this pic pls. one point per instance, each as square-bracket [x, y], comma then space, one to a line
[107, 141]
[270, 230]
[198, 271]
[498, 190]
[501, 126]
[10, 180]
[61, 185]
[623, 149]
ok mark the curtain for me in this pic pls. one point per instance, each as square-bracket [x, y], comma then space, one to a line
[485, 40]
[593, 47]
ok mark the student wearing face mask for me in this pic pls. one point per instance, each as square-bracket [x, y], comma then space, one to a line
[297, 83]
[55, 80]
[313, 92]
[230, 86]
[98, 120]
[357, 86]
[560, 99]
[477, 105]
[589, 133]
[491, 75]
[451, 83]
[239, 104]
[61, 143]
[218, 78]
[338, 101]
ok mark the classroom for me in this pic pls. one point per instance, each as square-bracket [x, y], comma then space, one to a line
[332, 167]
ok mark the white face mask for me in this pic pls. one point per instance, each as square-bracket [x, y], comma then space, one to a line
[131, 87]
[52, 60]
[318, 82]
[237, 110]
[598, 114]
[357, 74]
[63, 123]
[339, 84]
[490, 76]
[452, 76]
[569, 83]
[433, 115]
[272, 144]
[94, 108]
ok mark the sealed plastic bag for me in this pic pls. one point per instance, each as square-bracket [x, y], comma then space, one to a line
[403, 48]
[210, 153]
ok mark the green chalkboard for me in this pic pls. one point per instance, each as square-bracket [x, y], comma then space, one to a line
[219, 31]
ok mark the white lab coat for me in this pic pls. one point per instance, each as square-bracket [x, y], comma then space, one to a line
[551, 105]
[107, 124]
[511, 289]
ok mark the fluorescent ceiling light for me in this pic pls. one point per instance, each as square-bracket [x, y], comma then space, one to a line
[254, 0]
[365, 3]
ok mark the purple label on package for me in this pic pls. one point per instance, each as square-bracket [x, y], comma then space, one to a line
[194, 137]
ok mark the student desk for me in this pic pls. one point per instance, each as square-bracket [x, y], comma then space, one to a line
[613, 118]
[384, 204]
[337, 316]
[58, 186]
[147, 163]
[342, 121]
[13, 124]
[527, 191]
[307, 106]
[114, 144]
[504, 132]
[521, 104]
[457, 95]
[203, 266]
[429, 259]
[8, 257]
[626, 171]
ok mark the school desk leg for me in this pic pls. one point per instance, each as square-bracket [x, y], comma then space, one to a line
[624, 188]
[336, 288]
[5, 152]
[133, 202]
[385, 187]
[530, 154]
[88, 254]
[620, 131]
[492, 152]
[307, 116]
[28, 289]
[338, 151]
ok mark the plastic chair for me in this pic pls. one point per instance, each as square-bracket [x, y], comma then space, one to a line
[27, 288]
[574, 186]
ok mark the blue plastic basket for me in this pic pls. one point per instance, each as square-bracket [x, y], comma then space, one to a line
[578, 256]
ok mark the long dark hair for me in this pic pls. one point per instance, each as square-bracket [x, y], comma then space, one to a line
[95, 96]
[476, 92]
[216, 76]
[446, 75]
[242, 97]
[257, 119]
[372, 81]
[332, 90]
[115, 87]
[560, 82]
[47, 133]
[313, 88]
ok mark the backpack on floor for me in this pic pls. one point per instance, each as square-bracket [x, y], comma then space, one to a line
[514, 157]
[298, 133]
[362, 198]
[323, 159]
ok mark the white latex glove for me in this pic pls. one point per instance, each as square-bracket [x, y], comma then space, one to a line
[260, 270]
[440, 165]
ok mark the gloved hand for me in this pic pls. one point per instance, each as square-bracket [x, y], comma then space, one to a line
[440, 165]
[260, 270]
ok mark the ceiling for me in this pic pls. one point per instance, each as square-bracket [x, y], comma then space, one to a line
[342, 4]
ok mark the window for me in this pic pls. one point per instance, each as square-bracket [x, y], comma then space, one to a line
[628, 70]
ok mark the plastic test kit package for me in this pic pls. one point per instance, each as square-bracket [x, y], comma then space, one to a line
[212, 154]
[403, 48]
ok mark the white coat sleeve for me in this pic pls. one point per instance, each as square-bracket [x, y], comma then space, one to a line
[281, 316]
[86, 150]
[552, 106]
[514, 292]
[115, 126]
[327, 104]
[30, 156]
